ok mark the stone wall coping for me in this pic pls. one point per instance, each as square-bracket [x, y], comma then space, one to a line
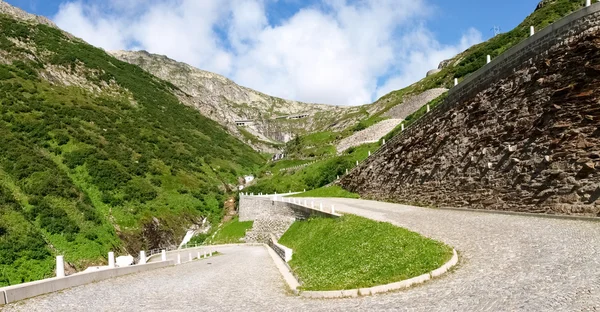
[15, 293]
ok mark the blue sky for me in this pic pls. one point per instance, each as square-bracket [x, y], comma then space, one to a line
[344, 52]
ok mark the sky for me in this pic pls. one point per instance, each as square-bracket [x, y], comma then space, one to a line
[341, 52]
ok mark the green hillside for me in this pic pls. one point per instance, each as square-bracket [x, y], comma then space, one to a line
[98, 155]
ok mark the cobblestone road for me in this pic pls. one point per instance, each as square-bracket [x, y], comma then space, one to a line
[508, 263]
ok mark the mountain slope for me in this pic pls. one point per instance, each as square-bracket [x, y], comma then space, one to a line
[226, 102]
[97, 155]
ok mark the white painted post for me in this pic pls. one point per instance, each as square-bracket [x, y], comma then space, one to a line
[210, 253]
[531, 31]
[381, 144]
[369, 153]
[489, 59]
[60, 266]
[111, 259]
[142, 257]
[304, 190]
[357, 162]
[321, 206]
[428, 108]
[338, 177]
[190, 256]
[178, 259]
[163, 255]
[455, 81]
[332, 209]
[346, 170]
[402, 127]
[588, 3]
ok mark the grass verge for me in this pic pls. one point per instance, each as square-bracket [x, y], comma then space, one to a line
[354, 252]
[231, 232]
[331, 191]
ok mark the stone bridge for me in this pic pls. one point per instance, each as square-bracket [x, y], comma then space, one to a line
[508, 263]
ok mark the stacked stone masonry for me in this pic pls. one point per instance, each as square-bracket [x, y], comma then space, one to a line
[521, 134]
[271, 217]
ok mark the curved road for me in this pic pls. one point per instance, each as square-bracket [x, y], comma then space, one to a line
[507, 263]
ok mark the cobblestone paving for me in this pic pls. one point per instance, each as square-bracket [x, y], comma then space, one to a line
[507, 263]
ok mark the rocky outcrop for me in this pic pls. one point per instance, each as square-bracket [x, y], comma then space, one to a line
[414, 103]
[19, 14]
[529, 141]
[226, 102]
[369, 135]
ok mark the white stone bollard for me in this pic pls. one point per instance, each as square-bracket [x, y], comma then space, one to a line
[190, 257]
[489, 59]
[531, 31]
[304, 190]
[163, 255]
[383, 143]
[338, 177]
[142, 257]
[588, 3]
[428, 108]
[357, 162]
[198, 256]
[455, 81]
[402, 127]
[111, 259]
[60, 266]
[369, 153]
[178, 259]
[346, 170]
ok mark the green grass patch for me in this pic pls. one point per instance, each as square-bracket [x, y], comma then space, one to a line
[353, 252]
[332, 191]
[231, 232]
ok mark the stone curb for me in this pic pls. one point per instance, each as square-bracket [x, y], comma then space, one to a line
[283, 268]
[383, 288]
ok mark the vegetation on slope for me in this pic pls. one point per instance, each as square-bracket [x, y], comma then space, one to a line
[110, 162]
[330, 191]
[316, 175]
[231, 232]
[354, 252]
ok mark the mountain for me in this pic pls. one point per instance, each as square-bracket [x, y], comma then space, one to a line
[226, 102]
[96, 154]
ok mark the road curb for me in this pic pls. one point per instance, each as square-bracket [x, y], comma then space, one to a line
[335, 294]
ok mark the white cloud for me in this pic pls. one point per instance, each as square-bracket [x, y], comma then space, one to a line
[334, 52]
[425, 53]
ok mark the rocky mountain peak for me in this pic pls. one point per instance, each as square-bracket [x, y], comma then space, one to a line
[19, 14]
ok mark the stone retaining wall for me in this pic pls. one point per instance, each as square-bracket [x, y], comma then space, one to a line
[534, 48]
[521, 134]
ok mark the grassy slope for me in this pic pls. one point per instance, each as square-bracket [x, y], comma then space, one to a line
[231, 232]
[355, 252]
[331, 191]
[83, 171]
